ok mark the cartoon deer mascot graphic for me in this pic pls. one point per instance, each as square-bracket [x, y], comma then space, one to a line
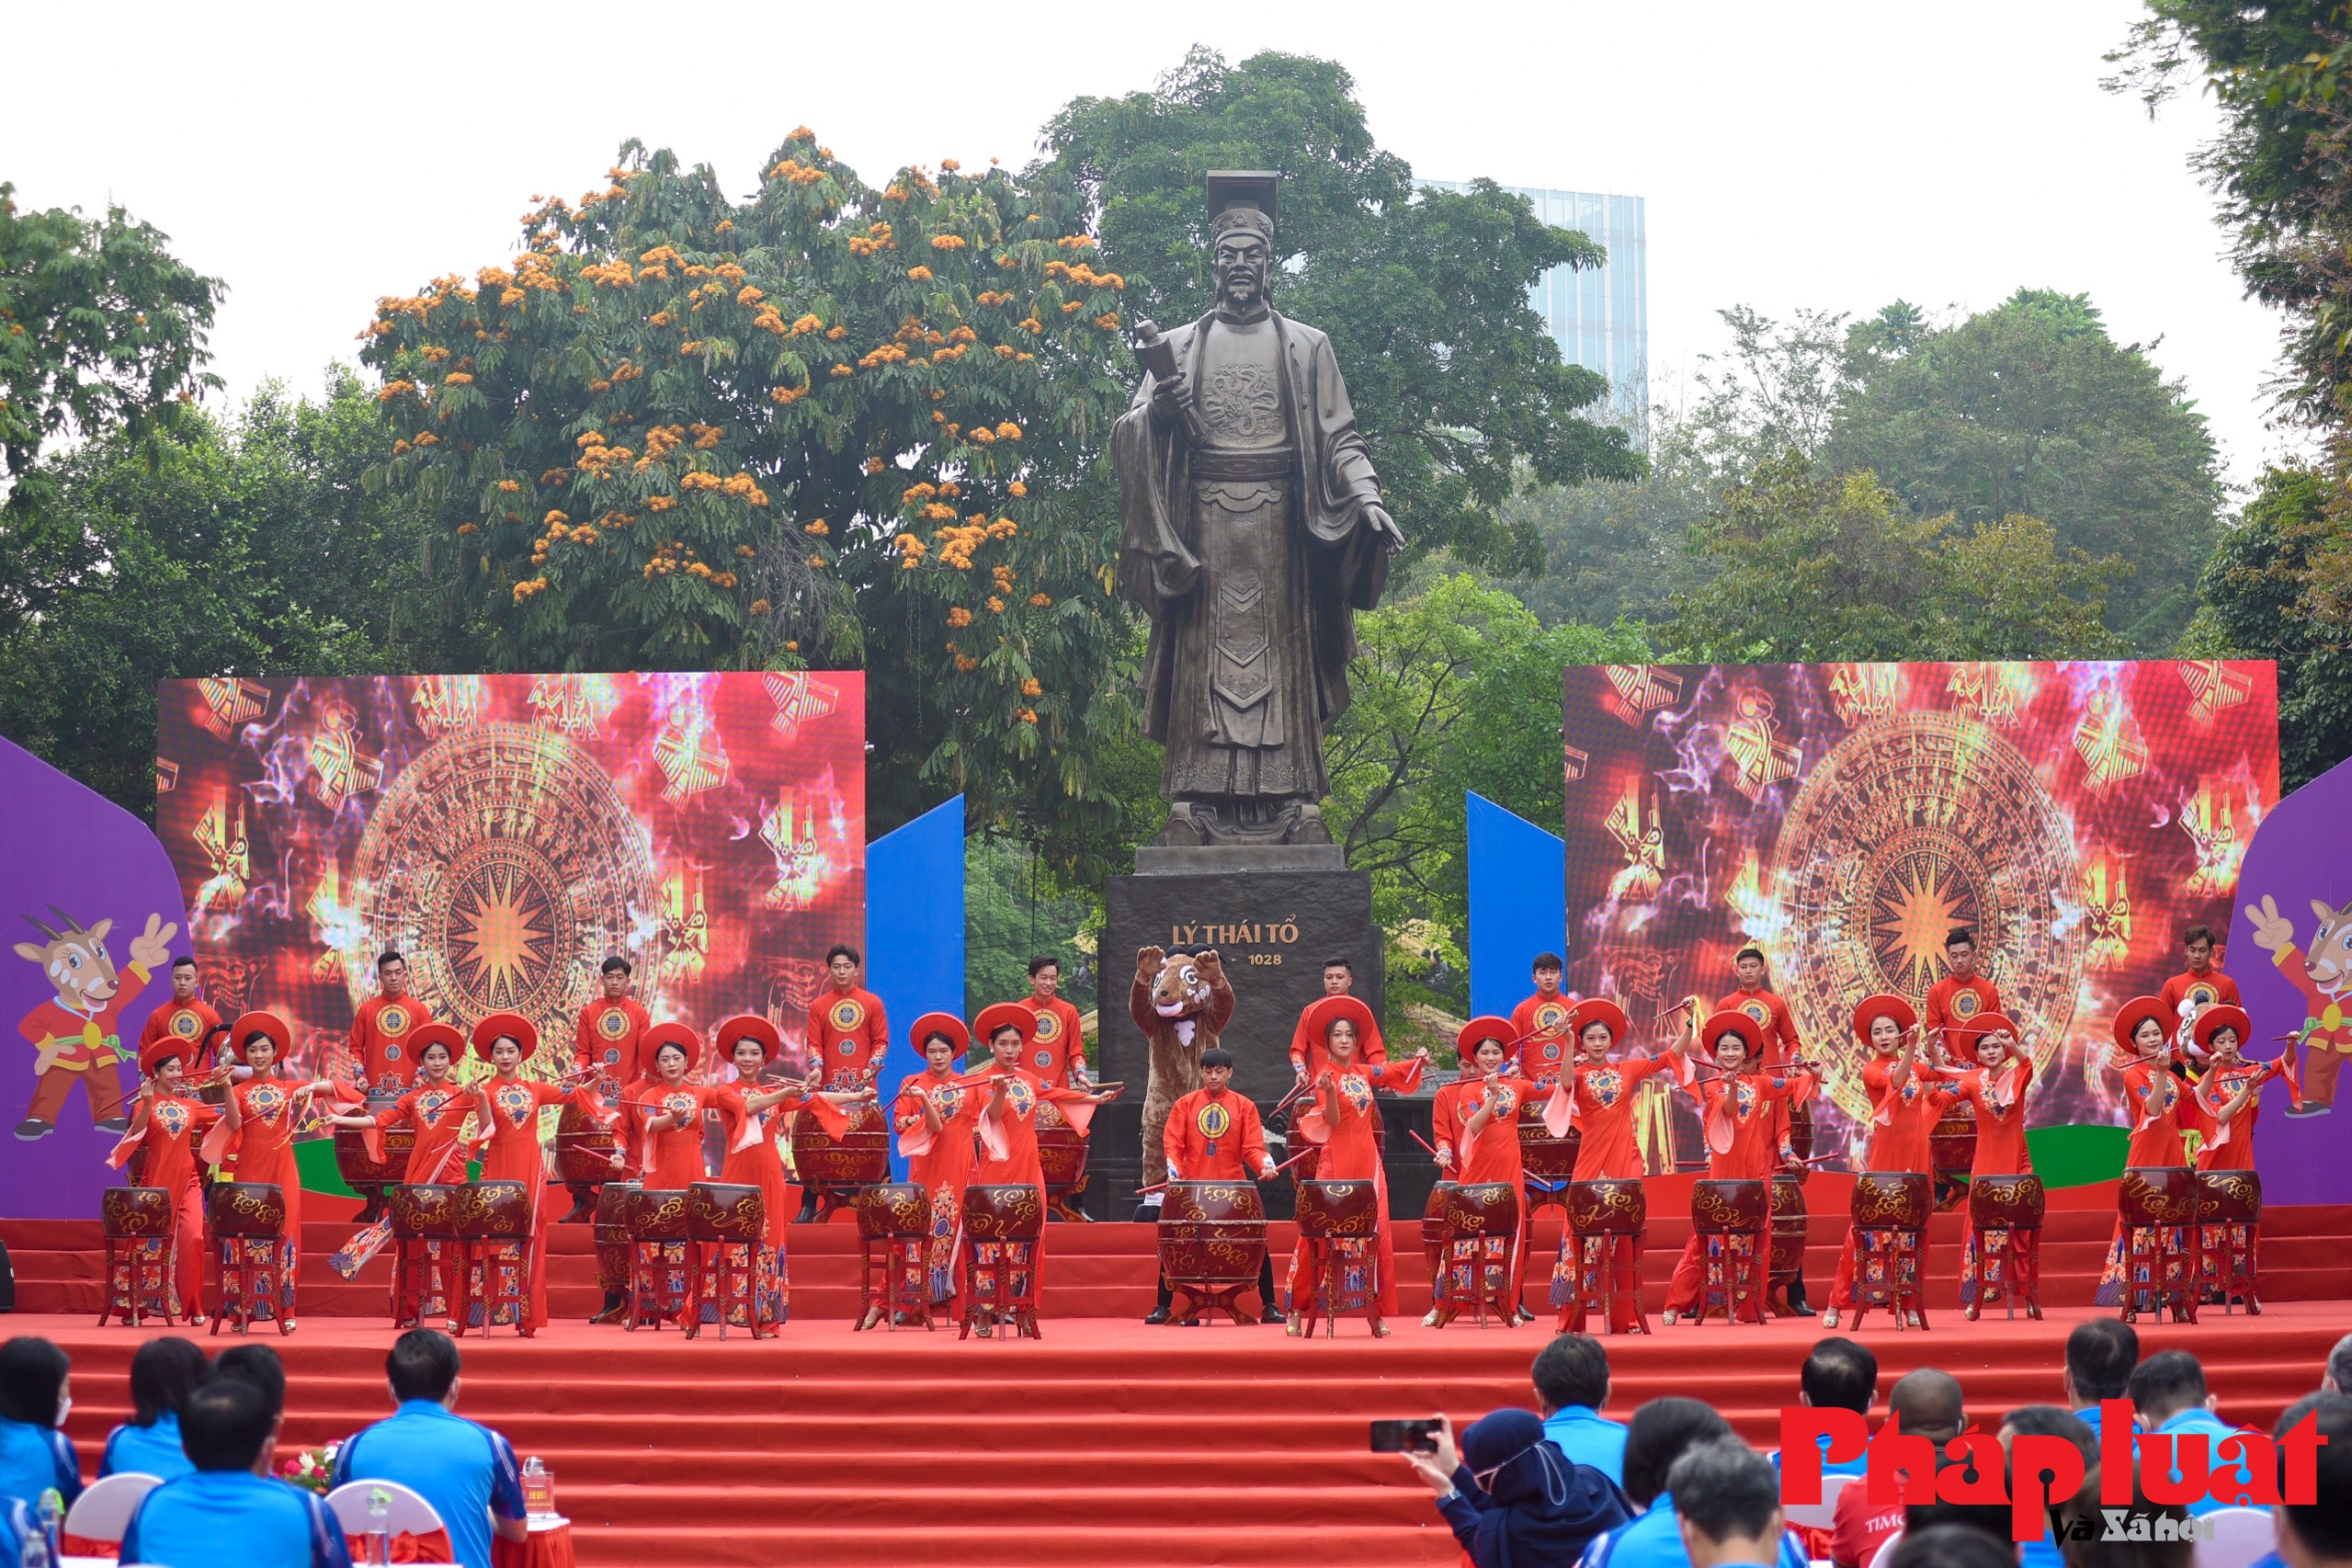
[1180, 1002]
[2323, 975]
[78, 1032]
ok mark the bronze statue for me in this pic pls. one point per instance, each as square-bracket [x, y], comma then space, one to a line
[1251, 530]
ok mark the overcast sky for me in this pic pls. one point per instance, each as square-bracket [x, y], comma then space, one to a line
[1836, 156]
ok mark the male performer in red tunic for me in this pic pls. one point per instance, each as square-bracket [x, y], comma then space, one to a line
[1215, 1134]
[1057, 1051]
[1544, 1015]
[185, 1018]
[381, 1028]
[1307, 1057]
[1954, 1000]
[606, 1037]
[1779, 1045]
[848, 1034]
[2200, 983]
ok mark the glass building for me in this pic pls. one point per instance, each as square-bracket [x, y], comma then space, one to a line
[1600, 319]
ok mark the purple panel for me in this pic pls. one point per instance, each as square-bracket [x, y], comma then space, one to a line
[2291, 953]
[80, 880]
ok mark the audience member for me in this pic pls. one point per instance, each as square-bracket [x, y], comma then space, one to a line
[2048, 1421]
[466, 1471]
[2316, 1534]
[229, 1513]
[2169, 1399]
[1991, 1518]
[1570, 1385]
[1950, 1546]
[163, 1372]
[1924, 1404]
[1513, 1499]
[2337, 1379]
[2094, 1545]
[1729, 1512]
[1838, 1375]
[2100, 1355]
[1661, 1433]
[257, 1366]
[35, 1394]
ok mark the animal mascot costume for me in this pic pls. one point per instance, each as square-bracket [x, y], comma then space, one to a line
[1181, 1002]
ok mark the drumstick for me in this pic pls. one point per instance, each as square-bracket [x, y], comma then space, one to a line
[1688, 1004]
[1293, 1160]
[1427, 1144]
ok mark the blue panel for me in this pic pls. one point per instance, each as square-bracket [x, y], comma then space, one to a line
[1518, 903]
[915, 933]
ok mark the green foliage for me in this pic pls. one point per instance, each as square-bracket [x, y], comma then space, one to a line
[1013, 911]
[241, 547]
[2032, 408]
[1456, 384]
[1455, 686]
[2260, 603]
[1620, 551]
[831, 424]
[1818, 566]
[101, 329]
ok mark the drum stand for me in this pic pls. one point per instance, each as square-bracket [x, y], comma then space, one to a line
[2161, 1248]
[127, 1212]
[1899, 1288]
[1011, 1319]
[237, 1261]
[2011, 1255]
[1608, 1269]
[1734, 1273]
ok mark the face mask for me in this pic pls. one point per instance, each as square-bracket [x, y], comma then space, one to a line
[65, 1408]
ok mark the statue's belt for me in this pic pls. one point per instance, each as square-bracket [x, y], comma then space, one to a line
[1257, 464]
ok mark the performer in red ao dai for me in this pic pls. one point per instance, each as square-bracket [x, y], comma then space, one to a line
[2229, 1099]
[1996, 1089]
[508, 1104]
[753, 1118]
[2154, 1096]
[1475, 1123]
[1216, 1134]
[933, 1116]
[165, 1124]
[1009, 1096]
[1736, 1108]
[256, 1130]
[669, 1110]
[1541, 1024]
[1905, 1106]
[436, 1109]
[1339, 1121]
[1597, 1096]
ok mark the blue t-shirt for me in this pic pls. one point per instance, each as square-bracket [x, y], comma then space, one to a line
[466, 1471]
[147, 1450]
[1589, 1437]
[233, 1518]
[1834, 1467]
[2222, 1472]
[1655, 1540]
[34, 1459]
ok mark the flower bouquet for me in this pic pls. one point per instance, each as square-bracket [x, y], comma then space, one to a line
[312, 1469]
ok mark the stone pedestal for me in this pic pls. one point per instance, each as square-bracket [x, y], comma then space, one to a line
[1273, 915]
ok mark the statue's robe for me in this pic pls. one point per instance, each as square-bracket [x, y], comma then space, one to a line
[1250, 553]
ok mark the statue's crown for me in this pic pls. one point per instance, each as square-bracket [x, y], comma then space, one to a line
[1242, 199]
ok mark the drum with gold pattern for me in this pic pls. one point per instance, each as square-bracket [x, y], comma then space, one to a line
[1542, 1157]
[494, 1210]
[1003, 1213]
[1061, 1152]
[1329, 1209]
[2007, 1202]
[1722, 1207]
[725, 1211]
[1609, 1206]
[2153, 1196]
[657, 1215]
[131, 1213]
[1482, 1209]
[1433, 1223]
[587, 1152]
[1951, 1146]
[1789, 1226]
[610, 1232]
[423, 1211]
[1212, 1232]
[247, 1209]
[893, 1209]
[860, 1157]
[2229, 1198]
[1892, 1201]
[351, 1161]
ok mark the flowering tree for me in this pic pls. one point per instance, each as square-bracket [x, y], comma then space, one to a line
[829, 425]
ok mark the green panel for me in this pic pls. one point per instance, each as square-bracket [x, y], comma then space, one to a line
[2077, 1156]
[315, 1159]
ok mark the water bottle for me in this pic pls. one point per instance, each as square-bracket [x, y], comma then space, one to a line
[52, 1518]
[538, 1488]
[380, 1526]
[36, 1553]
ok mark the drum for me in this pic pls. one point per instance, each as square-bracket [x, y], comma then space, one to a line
[1212, 1232]
[1480, 1208]
[2007, 1202]
[1720, 1208]
[657, 1215]
[893, 1209]
[494, 1212]
[2158, 1196]
[248, 1209]
[1789, 1226]
[419, 1211]
[1545, 1158]
[586, 1153]
[351, 1161]
[1003, 1214]
[860, 1157]
[1800, 1128]
[1432, 1223]
[1338, 1208]
[1892, 1201]
[133, 1213]
[725, 1211]
[1951, 1146]
[610, 1232]
[1610, 1206]
[1061, 1152]
[2228, 1198]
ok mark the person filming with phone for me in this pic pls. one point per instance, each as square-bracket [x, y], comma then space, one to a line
[1513, 1498]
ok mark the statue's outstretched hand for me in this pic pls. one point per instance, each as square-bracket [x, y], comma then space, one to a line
[1377, 519]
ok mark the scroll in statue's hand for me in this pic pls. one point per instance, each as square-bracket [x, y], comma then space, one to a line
[1170, 397]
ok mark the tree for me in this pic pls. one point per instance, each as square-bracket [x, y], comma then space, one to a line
[1776, 390]
[2032, 408]
[241, 547]
[1821, 566]
[101, 328]
[830, 424]
[2262, 602]
[1457, 386]
[1014, 910]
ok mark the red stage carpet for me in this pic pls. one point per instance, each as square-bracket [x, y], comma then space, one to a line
[1110, 1442]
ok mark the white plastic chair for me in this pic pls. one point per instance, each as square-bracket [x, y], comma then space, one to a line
[103, 1510]
[406, 1512]
[2240, 1535]
[1818, 1515]
[1886, 1550]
